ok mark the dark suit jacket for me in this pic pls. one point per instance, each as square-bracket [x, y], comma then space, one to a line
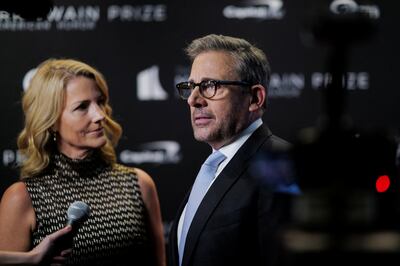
[237, 221]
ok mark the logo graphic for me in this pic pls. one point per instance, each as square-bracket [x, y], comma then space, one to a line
[149, 85]
[75, 18]
[157, 152]
[12, 157]
[350, 6]
[352, 80]
[288, 85]
[27, 78]
[258, 9]
[140, 13]
[62, 17]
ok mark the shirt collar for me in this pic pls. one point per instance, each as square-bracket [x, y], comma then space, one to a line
[230, 150]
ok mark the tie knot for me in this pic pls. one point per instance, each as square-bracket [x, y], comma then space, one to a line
[215, 159]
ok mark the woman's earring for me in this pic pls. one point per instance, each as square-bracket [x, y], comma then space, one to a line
[55, 136]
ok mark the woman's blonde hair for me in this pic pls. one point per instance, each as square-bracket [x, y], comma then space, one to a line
[43, 103]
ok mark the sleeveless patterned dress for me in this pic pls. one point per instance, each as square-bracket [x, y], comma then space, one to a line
[116, 231]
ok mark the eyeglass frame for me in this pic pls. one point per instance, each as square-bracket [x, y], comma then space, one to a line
[217, 84]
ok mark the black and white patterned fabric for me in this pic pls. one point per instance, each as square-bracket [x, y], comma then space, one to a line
[116, 230]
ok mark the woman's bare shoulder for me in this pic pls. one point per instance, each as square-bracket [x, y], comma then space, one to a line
[16, 195]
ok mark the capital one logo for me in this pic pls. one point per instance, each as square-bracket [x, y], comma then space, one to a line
[258, 9]
[351, 6]
[149, 86]
[159, 152]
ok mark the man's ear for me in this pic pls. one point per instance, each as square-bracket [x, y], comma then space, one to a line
[258, 97]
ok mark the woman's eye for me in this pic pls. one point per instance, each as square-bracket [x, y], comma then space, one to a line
[82, 106]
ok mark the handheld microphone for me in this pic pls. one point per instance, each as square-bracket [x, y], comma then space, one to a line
[77, 213]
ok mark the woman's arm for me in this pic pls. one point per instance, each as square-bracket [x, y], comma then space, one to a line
[150, 198]
[47, 250]
[17, 219]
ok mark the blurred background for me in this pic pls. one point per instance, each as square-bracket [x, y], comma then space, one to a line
[333, 94]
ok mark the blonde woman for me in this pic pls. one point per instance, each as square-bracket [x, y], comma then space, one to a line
[68, 141]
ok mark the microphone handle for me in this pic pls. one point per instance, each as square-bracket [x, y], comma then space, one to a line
[67, 240]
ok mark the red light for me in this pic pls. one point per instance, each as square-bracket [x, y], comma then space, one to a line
[382, 183]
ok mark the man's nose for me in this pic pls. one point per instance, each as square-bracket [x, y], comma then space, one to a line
[196, 99]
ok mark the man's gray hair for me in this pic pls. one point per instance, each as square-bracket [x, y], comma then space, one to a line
[251, 63]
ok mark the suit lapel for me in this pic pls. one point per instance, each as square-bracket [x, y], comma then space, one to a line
[232, 171]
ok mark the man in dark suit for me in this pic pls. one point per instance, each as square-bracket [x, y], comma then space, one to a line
[237, 220]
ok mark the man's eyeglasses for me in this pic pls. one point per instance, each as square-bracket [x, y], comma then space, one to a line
[207, 88]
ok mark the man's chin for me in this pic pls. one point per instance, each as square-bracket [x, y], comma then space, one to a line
[201, 135]
[204, 135]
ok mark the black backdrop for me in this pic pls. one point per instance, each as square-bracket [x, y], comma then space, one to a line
[138, 46]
